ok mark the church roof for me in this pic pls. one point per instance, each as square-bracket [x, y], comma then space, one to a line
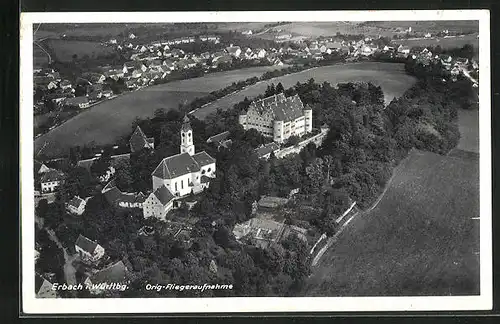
[283, 108]
[202, 158]
[176, 166]
[163, 194]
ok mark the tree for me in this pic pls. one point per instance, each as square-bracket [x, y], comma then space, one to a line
[279, 88]
[315, 173]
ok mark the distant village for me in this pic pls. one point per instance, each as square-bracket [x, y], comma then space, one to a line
[178, 179]
[154, 62]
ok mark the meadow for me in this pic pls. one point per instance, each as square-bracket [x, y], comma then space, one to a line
[65, 49]
[468, 124]
[390, 76]
[105, 122]
[445, 43]
[419, 240]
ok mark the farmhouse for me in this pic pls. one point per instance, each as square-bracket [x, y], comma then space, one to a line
[234, 51]
[278, 117]
[77, 102]
[88, 250]
[179, 175]
[262, 232]
[51, 180]
[139, 141]
[76, 205]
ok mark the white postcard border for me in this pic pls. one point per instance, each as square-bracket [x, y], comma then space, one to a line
[32, 305]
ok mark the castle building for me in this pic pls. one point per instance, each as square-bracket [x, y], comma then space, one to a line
[278, 117]
[179, 175]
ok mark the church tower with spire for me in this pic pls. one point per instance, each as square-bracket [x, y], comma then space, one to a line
[187, 145]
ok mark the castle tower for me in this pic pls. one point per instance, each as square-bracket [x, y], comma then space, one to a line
[187, 145]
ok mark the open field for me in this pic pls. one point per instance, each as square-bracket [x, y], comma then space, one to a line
[445, 43]
[419, 240]
[107, 121]
[65, 49]
[390, 76]
[459, 26]
[468, 123]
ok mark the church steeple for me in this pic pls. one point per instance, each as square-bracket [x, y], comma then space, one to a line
[187, 145]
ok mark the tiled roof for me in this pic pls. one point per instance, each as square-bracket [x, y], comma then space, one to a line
[267, 149]
[164, 195]
[76, 202]
[76, 100]
[283, 109]
[86, 244]
[176, 166]
[52, 175]
[138, 140]
[202, 158]
[115, 273]
[218, 138]
[112, 195]
[272, 202]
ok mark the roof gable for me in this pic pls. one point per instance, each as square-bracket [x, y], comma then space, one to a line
[164, 195]
[202, 158]
[86, 244]
[176, 166]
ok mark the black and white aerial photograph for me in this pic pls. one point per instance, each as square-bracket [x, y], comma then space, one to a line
[281, 158]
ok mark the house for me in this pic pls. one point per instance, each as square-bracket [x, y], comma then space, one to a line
[445, 60]
[76, 205]
[179, 175]
[177, 52]
[112, 278]
[65, 84]
[366, 50]
[132, 36]
[130, 66]
[234, 51]
[247, 32]
[271, 202]
[264, 151]
[278, 117]
[112, 41]
[77, 102]
[220, 140]
[40, 167]
[94, 77]
[139, 141]
[262, 232]
[455, 71]
[159, 203]
[43, 288]
[51, 180]
[403, 49]
[131, 84]
[261, 53]
[461, 61]
[88, 250]
[120, 199]
[226, 59]
[427, 35]
[205, 55]
[107, 93]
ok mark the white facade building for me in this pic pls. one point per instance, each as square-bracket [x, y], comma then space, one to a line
[278, 117]
[179, 175]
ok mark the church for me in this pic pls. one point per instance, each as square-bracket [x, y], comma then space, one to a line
[178, 176]
[278, 117]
